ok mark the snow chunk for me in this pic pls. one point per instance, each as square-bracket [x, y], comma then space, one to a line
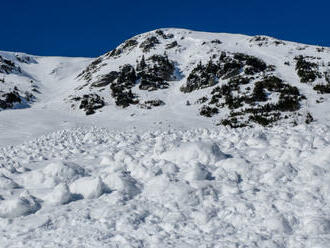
[203, 152]
[279, 224]
[60, 195]
[63, 172]
[106, 161]
[24, 205]
[198, 172]
[88, 187]
[123, 183]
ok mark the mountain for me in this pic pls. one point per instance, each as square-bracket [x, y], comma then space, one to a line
[175, 138]
[169, 74]
[234, 80]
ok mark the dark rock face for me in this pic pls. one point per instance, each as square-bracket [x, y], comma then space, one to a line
[7, 66]
[149, 43]
[227, 67]
[12, 97]
[172, 45]
[229, 95]
[7, 100]
[156, 73]
[253, 64]
[152, 74]
[121, 87]
[216, 41]
[163, 35]
[106, 79]
[152, 103]
[208, 111]
[307, 71]
[91, 68]
[89, 103]
[126, 46]
[25, 59]
[200, 77]
[322, 88]
[265, 41]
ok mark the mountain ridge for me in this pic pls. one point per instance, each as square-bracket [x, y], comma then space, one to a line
[159, 91]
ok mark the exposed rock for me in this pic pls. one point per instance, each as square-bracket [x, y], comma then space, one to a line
[7, 66]
[90, 70]
[121, 87]
[124, 47]
[152, 103]
[306, 70]
[172, 45]
[208, 111]
[106, 79]
[7, 100]
[227, 67]
[155, 74]
[149, 43]
[216, 41]
[89, 103]
[25, 59]
[163, 35]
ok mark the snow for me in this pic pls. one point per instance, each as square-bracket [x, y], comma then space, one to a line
[163, 177]
[124, 189]
[88, 187]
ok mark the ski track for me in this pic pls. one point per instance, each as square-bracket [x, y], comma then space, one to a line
[90, 187]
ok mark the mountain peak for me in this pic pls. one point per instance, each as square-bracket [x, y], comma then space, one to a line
[219, 78]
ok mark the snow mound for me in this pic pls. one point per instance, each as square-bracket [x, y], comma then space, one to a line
[25, 204]
[198, 172]
[60, 195]
[55, 173]
[88, 187]
[203, 152]
[64, 171]
[123, 183]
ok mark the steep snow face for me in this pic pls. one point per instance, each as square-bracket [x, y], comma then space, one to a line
[233, 80]
[90, 187]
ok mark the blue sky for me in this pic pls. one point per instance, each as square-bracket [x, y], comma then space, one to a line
[91, 28]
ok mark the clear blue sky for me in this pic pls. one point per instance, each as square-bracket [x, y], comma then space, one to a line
[91, 28]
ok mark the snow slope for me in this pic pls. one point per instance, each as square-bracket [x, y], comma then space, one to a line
[163, 176]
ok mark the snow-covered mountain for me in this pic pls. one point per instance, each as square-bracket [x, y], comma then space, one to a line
[167, 74]
[175, 138]
[235, 80]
